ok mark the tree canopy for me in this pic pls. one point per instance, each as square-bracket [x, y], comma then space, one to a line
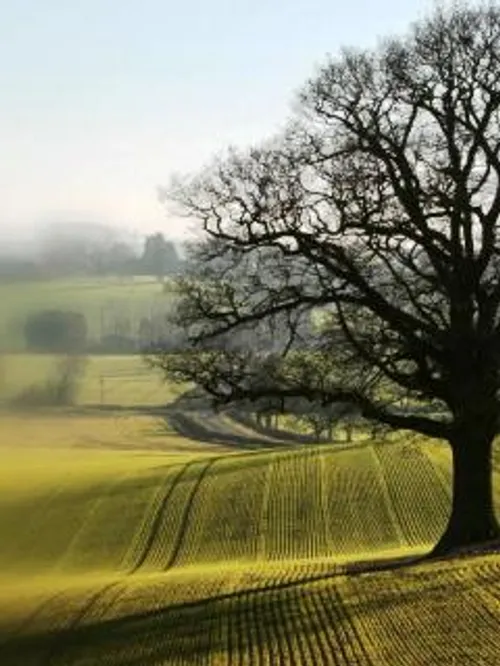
[159, 256]
[378, 204]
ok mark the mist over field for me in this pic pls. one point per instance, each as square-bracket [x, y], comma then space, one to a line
[40, 245]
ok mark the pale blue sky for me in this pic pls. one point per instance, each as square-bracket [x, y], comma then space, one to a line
[101, 100]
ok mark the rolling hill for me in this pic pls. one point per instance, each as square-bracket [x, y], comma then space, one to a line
[214, 554]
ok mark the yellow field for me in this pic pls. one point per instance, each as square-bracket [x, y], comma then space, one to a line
[108, 381]
[124, 542]
[146, 556]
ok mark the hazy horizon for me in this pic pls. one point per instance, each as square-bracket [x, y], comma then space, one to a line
[102, 103]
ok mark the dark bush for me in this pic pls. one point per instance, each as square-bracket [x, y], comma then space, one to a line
[56, 331]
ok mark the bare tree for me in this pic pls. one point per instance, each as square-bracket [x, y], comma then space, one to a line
[380, 205]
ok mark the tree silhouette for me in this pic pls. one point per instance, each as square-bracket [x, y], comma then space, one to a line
[159, 257]
[379, 205]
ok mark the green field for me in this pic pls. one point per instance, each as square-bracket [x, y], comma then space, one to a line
[121, 381]
[102, 301]
[125, 542]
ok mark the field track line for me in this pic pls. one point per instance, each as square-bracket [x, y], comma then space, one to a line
[323, 479]
[326, 647]
[285, 617]
[56, 648]
[264, 511]
[157, 520]
[387, 496]
[135, 544]
[249, 600]
[31, 617]
[440, 475]
[186, 513]
[262, 630]
[92, 602]
[350, 630]
[287, 584]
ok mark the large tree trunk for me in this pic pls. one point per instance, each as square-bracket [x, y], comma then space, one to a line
[472, 520]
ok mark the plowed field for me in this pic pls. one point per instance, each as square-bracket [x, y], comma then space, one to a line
[219, 555]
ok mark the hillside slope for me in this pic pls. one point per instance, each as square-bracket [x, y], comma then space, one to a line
[149, 557]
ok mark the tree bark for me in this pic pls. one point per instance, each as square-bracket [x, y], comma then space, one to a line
[472, 520]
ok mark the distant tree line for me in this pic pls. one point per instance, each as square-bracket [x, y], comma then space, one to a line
[57, 331]
[68, 255]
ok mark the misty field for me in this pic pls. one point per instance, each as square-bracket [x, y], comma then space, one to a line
[102, 301]
[107, 381]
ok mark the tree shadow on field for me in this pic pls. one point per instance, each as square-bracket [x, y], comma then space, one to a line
[249, 622]
[203, 426]
[192, 416]
[261, 623]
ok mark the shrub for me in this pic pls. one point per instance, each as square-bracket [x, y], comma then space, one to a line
[56, 331]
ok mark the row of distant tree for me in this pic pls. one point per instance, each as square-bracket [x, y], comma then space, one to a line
[83, 254]
[66, 332]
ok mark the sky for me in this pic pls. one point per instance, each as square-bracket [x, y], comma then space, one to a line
[102, 101]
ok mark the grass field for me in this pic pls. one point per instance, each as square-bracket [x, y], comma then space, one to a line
[209, 556]
[101, 300]
[119, 403]
[123, 542]
[107, 381]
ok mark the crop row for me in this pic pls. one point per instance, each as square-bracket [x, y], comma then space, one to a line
[360, 520]
[407, 616]
[252, 532]
[420, 502]
[412, 617]
[293, 505]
